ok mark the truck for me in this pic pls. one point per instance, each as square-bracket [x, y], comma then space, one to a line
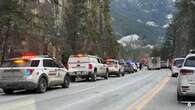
[154, 63]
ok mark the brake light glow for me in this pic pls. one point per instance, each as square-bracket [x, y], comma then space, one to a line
[186, 72]
[90, 66]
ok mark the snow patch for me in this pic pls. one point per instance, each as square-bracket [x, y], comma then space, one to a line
[149, 46]
[152, 23]
[166, 25]
[128, 39]
[139, 21]
[169, 16]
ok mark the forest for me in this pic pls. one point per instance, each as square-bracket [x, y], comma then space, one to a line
[57, 28]
[180, 37]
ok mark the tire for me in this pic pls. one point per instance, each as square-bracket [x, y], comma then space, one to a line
[8, 91]
[123, 74]
[106, 75]
[73, 79]
[179, 97]
[119, 74]
[42, 85]
[87, 78]
[66, 82]
[93, 77]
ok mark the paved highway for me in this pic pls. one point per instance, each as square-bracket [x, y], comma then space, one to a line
[147, 90]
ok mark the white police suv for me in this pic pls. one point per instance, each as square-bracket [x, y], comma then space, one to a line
[32, 73]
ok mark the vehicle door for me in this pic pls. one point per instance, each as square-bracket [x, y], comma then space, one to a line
[99, 66]
[104, 66]
[51, 70]
[61, 72]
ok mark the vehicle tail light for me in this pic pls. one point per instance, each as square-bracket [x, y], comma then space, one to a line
[90, 66]
[186, 72]
[28, 72]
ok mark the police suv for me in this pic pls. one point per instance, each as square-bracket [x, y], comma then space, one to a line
[32, 73]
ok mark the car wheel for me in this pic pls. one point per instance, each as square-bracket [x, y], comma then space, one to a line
[66, 83]
[179, 97]
[8, 91]
[106, 75]
[42, 86]
[87, 78]
[73, 79]
[123, 74]
[119, 74]
[94, 76]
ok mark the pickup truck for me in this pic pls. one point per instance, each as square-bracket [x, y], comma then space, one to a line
[87, 67]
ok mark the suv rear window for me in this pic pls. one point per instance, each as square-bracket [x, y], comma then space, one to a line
[190, 62]
[74, 60]
[34, 63]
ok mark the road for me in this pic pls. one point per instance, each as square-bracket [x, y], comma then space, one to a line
[147, 90]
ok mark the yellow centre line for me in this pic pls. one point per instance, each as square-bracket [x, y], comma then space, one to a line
[145, 99]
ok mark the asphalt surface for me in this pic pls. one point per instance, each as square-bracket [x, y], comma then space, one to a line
[112, 94]
[167, 99]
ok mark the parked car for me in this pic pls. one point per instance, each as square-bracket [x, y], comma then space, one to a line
[164, 64]
[127, 68]
[175, 66]
[115, 68]
[186, 78]
[87, 67]
[135, 69]
[33, 73]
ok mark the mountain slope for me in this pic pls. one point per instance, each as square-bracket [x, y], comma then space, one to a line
[146, 18]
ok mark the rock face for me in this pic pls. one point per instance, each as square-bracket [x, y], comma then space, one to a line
[147, 18]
